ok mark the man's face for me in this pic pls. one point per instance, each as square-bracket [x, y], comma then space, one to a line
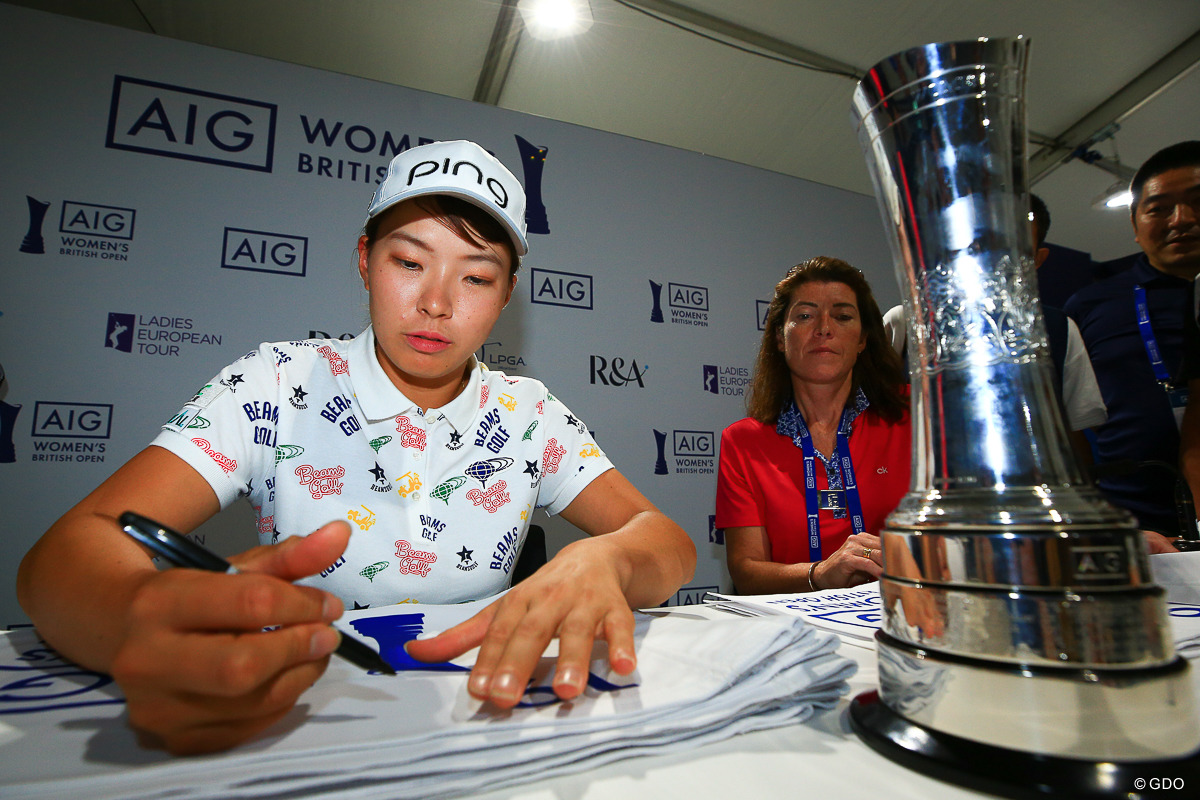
[1166, 222]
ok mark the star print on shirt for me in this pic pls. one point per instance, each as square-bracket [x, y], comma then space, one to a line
[465, 554]
[455, 441]
[378, 473]
[233, 381]
[531, 469]
[359, 606]
[298, 394]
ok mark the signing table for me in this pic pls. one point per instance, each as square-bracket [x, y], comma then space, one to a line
[721, 707]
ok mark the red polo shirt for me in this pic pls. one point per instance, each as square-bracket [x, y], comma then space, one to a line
[760, 483]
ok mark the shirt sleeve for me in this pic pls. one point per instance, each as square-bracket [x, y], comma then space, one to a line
[896, 327]
[214, 434]
[1081, 393]
[737, 503]
[570, 460]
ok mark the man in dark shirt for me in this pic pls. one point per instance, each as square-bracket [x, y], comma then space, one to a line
[1135, 361]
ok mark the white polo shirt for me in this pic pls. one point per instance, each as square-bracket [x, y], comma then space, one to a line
[438, 502]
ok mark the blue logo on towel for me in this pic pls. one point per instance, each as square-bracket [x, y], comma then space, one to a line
[392, 632]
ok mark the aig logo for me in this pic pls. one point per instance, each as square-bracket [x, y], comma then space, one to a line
[761, 306]
[694, 452]
[691, 595]
[692, 444]
[93, 220]
[688, 304]
[693, 298]
[72, 420]
[569, 289]
[259, 251]
[177, 122]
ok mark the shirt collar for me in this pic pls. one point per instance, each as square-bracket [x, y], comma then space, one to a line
[379, 398]
[791, 421]
[1144, 272]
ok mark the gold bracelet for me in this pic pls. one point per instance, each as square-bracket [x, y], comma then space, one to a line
[812, 587]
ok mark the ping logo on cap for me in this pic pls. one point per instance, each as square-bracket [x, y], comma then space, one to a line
[424, 168]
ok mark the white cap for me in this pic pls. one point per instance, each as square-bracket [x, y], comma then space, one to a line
[461, 169]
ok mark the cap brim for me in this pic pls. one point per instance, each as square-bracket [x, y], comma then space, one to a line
[518, 239]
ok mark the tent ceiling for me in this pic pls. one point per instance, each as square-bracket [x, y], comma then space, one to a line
[671, 71]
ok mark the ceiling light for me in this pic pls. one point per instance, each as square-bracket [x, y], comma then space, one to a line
[555, 19]
[1115, 196]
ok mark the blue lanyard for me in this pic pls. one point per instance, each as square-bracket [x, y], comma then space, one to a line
[841, 454]
[1148, 339]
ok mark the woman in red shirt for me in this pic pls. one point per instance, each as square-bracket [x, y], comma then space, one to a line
[806, 481]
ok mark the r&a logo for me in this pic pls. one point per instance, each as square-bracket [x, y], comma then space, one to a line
[616, 372]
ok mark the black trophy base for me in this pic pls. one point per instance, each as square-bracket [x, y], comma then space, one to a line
[1011, 773]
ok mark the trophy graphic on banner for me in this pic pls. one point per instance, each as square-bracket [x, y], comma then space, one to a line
[660, 463]
[1024, 647]
[656, 314]
[33, 242]
[8, 421]
[533, 159]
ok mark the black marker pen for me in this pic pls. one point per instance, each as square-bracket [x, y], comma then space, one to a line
[183, 552]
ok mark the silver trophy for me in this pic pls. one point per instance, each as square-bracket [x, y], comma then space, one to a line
[1023, 643]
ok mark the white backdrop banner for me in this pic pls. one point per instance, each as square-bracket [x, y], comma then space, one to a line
[166, 207]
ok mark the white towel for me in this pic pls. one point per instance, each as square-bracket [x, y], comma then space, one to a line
[419, 734]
